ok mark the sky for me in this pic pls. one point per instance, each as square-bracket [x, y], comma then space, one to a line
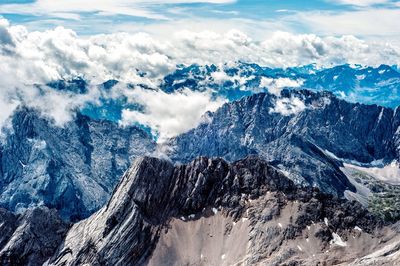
[46, 40]
[369, 19]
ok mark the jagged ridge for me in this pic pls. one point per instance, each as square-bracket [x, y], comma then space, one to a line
[153, 193]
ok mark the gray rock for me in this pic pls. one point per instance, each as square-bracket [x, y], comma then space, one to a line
[300, 142]
[30, 238]
[154, 192]
[73, 168]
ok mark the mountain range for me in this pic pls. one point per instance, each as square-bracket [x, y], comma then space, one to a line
[207, 212]
[285, 161]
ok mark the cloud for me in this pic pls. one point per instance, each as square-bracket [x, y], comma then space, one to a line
[288, 106]
[70, 9]
[366, 22]
[275, 86]
[361, 3]
[29, 58]
[169, 114]
[287, 49]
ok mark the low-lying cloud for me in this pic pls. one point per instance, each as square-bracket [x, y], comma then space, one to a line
[29, 58]
[169, 114]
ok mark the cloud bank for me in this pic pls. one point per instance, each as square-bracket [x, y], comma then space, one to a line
[170, 114]
[30, 58]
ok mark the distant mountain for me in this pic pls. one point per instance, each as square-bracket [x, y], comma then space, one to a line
[298, 132]
[209, 212]
[369, 85]
[354, 83]
[72, 168]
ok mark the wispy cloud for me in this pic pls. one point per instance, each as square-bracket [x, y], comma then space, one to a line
[361, 3]
[72, 8]
[366, 22]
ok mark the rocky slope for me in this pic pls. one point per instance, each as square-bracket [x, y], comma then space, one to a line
[301, 132]
[29, 239]
[73, 168]
[210, 212]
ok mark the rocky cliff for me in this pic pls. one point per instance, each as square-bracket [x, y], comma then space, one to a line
[72, 168]
[210, 212]
[300, 132]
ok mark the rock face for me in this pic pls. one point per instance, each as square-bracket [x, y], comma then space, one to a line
[250, 204]
[71, 168]
[297, 132]
[29, 239]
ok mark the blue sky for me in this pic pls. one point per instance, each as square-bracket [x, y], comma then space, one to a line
[362, 18]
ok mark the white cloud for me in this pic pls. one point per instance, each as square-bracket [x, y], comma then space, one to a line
[362, 3]
[366, 22]
[38, 57]
[275, 86]
[169, 114]
[71, 8]
[288, 106]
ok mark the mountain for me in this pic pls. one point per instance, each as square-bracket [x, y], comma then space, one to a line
[308, 135]
[369, 85]
[30, 238]
[73, 168]
[210, 212]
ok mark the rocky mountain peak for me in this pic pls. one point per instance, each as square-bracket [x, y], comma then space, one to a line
[154, 195]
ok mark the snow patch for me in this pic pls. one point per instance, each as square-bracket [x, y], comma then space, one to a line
[358, 228]
[215, 211]
[389, 173]
[326, 221]
[360, 77]
[337, 240]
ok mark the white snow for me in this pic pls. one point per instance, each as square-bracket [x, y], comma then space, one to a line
[222, 256]
[337, 240]
[358, 228]
[389, 173]
[360, 77]
[326, 221]
[380, 116]
[280, 225]
[214, 210]
[299, 248]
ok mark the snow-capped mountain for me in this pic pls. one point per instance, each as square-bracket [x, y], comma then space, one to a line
[368, 85]
[72, 168]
